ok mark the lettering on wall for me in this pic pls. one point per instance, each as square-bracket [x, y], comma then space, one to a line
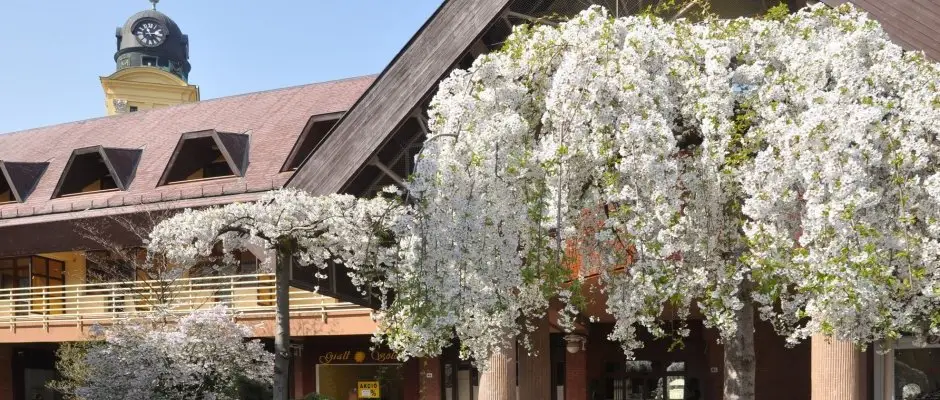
[358, 357]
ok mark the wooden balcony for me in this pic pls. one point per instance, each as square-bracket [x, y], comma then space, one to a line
[40, 310]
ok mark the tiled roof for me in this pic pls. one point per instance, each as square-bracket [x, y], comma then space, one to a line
[274, 119]
[913, 24]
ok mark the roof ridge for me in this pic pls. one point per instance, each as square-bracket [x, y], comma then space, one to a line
[229, 97]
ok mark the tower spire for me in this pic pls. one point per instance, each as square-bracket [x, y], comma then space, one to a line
[154, 2]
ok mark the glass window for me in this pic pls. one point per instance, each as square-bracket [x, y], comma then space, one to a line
[917, 373]
[341, 381]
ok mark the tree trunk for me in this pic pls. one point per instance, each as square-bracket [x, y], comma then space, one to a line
[498, 382]
[282, 324]
[740, 360]
[535, 370]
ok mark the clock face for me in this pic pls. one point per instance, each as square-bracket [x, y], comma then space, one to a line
[150, 33]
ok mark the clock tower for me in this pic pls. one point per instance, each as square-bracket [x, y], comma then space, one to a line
[152, 65]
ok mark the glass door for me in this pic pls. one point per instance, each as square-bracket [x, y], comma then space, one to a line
[908, 371]
[47, 277]
[42, 278]
[649, 380]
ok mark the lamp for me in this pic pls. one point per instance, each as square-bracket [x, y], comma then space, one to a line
[575, 343]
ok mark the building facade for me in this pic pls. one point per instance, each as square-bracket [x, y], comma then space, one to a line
[73, 195]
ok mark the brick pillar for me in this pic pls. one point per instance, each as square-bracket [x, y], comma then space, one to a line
[430, 378]
[498, 382]
[6, 372]
[300, 369]
[837, 371]
[576, 377]
[535, 369]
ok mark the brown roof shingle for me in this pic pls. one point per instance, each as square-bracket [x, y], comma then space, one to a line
[274, 119]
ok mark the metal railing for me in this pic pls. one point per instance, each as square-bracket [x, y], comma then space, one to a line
[107, 302]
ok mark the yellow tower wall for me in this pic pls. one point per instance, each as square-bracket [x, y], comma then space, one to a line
[145, 88]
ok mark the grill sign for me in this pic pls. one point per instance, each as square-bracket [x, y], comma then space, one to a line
[369, 390]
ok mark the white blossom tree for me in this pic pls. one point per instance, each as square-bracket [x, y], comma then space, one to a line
[205, 355]
[297, 227]
[782, 167]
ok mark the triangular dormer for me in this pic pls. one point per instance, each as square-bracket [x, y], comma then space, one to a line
[18, 179]
[98, 168]
[316, 130]
[206, 155]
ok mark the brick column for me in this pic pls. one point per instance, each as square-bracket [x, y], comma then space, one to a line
[6, 372]
[535, 370]
[430, 378]
[498, 382]
[576, 377]
[300, 369]
[837, 371]
[535, 365]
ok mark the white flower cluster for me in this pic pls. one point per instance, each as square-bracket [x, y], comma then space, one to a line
[791, 164]
[317, 229]
[205, 355]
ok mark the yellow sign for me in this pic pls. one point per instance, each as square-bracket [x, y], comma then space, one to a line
[369, 390]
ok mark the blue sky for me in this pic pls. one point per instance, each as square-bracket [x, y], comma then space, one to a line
[53, 52]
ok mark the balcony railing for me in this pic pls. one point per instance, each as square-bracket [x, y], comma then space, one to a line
[107, 302]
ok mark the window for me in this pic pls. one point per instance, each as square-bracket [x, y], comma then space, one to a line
[148, 61]
[6, 194]
[97, 168]
[908, 371]
[313, 135]
[207, 154]
[18, 179]
[107, 267]
[46, 274]
[132, 108]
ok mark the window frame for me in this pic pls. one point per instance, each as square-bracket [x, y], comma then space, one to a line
[336, 117]
[884, 364]
[121, 182]
[238, 167]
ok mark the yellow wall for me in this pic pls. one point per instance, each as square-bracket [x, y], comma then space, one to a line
[146, 88]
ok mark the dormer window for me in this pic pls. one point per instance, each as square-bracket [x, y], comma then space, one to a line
[206, 155]
[18, 179]
[313, 135]
[97, 168]
[6, 194]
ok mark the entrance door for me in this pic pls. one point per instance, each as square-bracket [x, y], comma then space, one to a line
[649, 380]
[32, 369]
[340, 381]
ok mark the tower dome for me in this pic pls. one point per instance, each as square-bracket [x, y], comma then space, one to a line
[151, 39]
